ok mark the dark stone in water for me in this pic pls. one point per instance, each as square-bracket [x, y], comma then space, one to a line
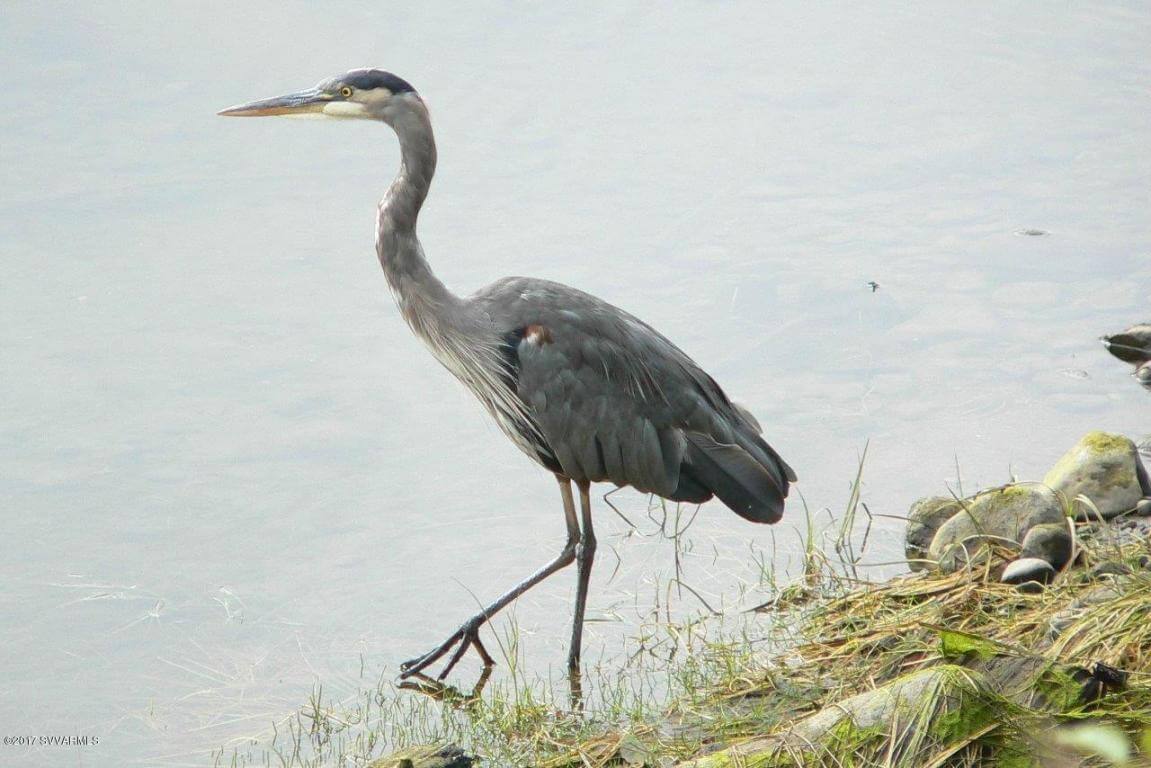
[1143, 375]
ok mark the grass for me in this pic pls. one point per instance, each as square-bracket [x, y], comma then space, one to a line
[968, 672]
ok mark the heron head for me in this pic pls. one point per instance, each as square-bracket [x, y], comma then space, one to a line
[363, 94]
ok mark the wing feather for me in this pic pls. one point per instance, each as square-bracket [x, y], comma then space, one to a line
[615, 400]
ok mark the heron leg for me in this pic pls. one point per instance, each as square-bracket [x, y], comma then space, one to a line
[585, 556]
[468, 634]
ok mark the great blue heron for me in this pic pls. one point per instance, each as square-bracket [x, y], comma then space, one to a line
[583, 388]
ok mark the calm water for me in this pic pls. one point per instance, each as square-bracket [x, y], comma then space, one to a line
[227, 471]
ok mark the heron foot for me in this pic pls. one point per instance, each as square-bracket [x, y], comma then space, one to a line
[467, 636]
[448, 694]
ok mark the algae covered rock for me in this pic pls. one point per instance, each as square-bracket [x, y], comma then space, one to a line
[1102, 467]
[927, 710]
[1002, 516]
[923, 521]
[432, 756]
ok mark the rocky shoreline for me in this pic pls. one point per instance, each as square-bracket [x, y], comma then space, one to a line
[1101, 478]
[1027, 612]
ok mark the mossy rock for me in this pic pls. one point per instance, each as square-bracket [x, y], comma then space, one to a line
[1102, 467]
[924, 519]
[1000, 516]
[430, 756]
[929, 711]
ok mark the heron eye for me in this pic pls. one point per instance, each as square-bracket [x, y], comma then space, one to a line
[346, 92]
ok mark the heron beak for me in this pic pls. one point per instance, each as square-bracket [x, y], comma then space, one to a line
[306, 102]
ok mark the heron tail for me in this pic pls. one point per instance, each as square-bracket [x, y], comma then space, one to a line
[753, 484]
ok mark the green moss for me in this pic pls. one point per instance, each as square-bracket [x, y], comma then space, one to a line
[1103, 442]
[1015, 757]
[954, 644]
[961, 706]
[963, 720]
[1012, 492]
[846, 737]
[768, 759]
[1060, 691]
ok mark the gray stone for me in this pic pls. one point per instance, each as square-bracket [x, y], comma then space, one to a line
[1143, 375]
[1143, 508]
[1103, 468]
[1028, 571]
[923, 520]
[1132, 345]
[434, 756]
[896, 707]
[1000, 516]
[1110, 568]
[1050, 542]
[1131, 531]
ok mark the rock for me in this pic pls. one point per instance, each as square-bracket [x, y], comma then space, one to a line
[952, 697]
[1103, 468]
[999, 516]
[1143, 375]
[1110, 568]
[1117, 534]
[1143, 508]
[1029, 573]
[923, 520]
[1050, 542]
[1132, 345]
[448, 756]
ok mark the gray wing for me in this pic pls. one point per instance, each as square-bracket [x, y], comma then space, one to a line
[614, 400]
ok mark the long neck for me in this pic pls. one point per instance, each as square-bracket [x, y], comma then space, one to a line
[458, 334]
[417, 167]
[425, 302]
